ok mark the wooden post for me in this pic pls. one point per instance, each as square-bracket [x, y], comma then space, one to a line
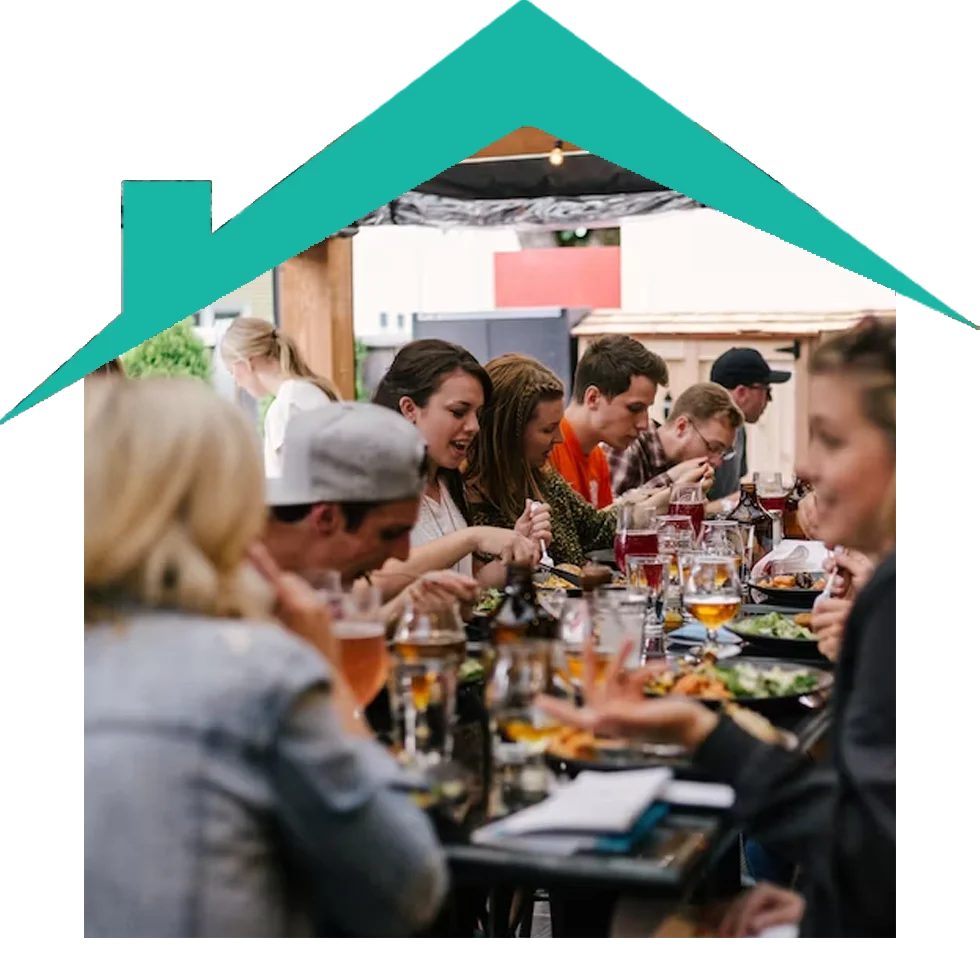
[316, 309]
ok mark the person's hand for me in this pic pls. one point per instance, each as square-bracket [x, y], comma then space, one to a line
[656, 502]
[437, 590]
[301, 611]
[298, 607]
[761, 908]
[619, 708]
[535, 522]
[808, 514]
[506, 544]
[853, 568]
[521, 551]
[690, 470]
[827, 622]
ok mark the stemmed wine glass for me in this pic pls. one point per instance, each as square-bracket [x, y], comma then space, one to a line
[636, 533]
[713, 596]
[689, 499]
[429, 645]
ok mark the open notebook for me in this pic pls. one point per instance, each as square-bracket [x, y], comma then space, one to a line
[606, 812]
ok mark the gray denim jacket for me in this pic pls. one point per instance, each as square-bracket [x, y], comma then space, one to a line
[223, 799]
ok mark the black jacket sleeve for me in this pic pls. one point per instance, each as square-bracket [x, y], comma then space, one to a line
[837, 818]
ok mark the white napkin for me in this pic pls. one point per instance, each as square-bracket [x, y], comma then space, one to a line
[796, 556]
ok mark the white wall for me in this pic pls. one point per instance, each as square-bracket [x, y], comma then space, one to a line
[706, 262]
[410, 270]
[681, 262]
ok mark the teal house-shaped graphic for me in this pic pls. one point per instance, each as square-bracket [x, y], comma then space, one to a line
[174, 264]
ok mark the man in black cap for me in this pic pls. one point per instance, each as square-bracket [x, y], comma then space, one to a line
[748, 378]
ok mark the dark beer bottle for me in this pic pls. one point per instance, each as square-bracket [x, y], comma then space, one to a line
[753, 518]
[791, 518]
[520, 616]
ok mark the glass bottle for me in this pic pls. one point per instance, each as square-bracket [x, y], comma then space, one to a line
[756, 524]
[791, 518]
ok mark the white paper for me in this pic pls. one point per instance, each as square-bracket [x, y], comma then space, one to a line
[686, 792]
[594, 804]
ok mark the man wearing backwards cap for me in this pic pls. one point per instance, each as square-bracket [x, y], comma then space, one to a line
[748, 378]
[347, 501]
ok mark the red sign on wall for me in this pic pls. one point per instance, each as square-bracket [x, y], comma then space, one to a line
[558, 277]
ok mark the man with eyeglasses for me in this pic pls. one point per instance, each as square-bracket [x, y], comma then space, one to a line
[743, 371]
[697, 438]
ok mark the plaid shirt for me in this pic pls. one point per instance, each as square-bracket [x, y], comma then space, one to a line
[644, 463]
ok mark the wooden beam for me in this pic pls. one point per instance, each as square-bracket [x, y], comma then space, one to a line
[525, 141]
[316, 309]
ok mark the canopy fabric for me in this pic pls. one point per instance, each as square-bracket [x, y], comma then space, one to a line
[556, 213]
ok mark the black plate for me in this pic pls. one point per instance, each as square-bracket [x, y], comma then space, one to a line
[605, 557]
[765, 705]
[630, 760]
[564, 765]
[794, 598]
[790, 649]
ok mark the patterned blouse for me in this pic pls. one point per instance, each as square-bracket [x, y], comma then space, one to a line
[576, 526]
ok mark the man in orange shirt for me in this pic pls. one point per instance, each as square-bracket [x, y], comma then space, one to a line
[615, 384]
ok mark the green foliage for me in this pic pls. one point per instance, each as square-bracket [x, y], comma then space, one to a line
[360, 352]
[177, 351]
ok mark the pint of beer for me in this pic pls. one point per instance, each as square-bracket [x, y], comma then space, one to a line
[363, 657]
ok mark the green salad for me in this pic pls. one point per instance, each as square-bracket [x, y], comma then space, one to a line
[773, 624]
[489, 601]
[747, 681]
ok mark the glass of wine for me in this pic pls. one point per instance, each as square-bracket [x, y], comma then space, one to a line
[713, 596]
[772, 492]
[689, 499]
[636, 534]
[650, 575]
[429, 646]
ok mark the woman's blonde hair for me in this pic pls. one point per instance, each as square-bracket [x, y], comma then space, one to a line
[249, 337]
[174, 496]
[497, 469]
[866, 355]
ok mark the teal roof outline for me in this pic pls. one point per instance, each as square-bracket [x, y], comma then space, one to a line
[174, 265]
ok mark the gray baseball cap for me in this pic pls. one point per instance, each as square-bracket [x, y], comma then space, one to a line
[348, 452]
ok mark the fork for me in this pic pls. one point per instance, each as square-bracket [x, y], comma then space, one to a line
[546, 560]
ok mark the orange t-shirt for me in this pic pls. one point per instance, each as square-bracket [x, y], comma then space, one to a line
[587, 475]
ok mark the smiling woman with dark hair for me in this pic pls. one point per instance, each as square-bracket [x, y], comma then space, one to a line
[443, 390]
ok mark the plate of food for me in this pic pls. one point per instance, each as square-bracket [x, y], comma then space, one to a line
[745, 681]
[571, 750]
[797, 589]
[784, 633]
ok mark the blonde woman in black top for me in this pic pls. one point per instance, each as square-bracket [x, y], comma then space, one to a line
[836, 819]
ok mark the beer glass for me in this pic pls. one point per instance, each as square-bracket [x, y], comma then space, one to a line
[713, 596]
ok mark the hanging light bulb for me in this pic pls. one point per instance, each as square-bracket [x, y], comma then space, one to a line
[557, 155]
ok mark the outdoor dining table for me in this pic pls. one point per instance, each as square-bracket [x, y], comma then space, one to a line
[691, 854]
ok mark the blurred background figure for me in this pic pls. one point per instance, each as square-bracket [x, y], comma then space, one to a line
[229, 790]
[748, 378]
[264, 361]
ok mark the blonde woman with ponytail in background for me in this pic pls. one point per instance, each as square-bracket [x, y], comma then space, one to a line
[265, 361]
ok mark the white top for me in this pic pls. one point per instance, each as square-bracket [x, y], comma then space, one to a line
[292, 397]
[436, 520]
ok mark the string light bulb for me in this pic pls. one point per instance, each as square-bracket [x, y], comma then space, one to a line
[557, 155]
